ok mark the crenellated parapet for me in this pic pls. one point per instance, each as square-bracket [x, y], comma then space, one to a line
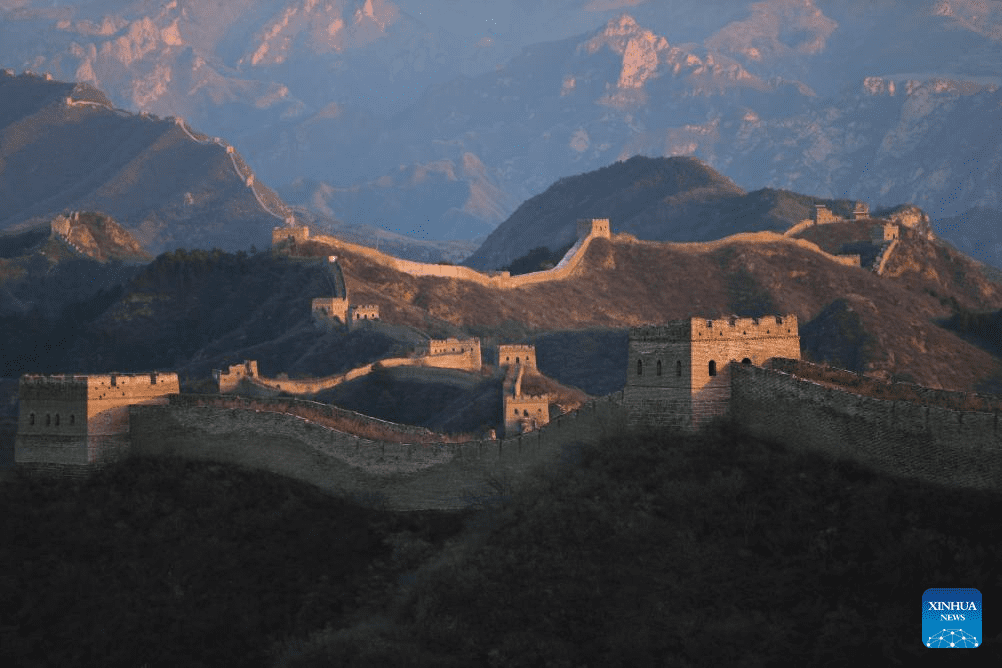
[359, 313]
[770, 327]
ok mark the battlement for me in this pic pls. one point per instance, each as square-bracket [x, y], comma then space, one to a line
[451, 346]
[698, 329]
[97, 381]
[596, 227]
[359, 312]
[520, 399]
[741, 328]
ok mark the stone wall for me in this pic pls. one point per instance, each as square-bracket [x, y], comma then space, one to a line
[564, 268]
[930, 443]
[468, 360]
[410, 476]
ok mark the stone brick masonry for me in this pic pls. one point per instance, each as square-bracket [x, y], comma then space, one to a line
[927, 442]
[410, 476]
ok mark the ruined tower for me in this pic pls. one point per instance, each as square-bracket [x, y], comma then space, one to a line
[521, 413]
[332, 309]
[678, 373]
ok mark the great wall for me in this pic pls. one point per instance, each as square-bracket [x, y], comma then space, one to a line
[459, 354]
[587, 229]
[930, 436]
[680, 375]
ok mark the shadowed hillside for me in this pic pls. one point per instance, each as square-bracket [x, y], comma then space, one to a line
[747, 276]
[658, 199]
[65, 147]
[199, 310]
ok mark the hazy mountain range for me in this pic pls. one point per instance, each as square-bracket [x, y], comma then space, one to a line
[438, 118]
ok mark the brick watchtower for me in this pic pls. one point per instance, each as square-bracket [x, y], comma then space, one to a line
[678, 373]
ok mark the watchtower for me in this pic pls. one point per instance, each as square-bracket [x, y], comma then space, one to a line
[596, 227]
[291, 233]
[822, 215]
[81, 419]
[884, 232]
[509, 354]
[678, 373]
[228, 379]
[328, 310]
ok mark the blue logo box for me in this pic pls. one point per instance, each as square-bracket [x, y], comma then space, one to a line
[951, 618]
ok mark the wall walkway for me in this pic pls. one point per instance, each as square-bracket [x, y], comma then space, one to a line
[460, 361]
[932, 443]
[570, 262]
[410, 476]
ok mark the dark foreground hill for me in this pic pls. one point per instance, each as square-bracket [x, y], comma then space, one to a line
[717, 550]
[658, 199]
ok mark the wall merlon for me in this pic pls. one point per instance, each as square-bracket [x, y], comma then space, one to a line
[767, 326]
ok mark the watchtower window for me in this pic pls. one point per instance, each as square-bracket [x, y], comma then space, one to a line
[640, 367]
[678, 368]
[57, 419]
[31, 419]
[48, 419]
[713, 368]
[746, 361]
[525, 413]
[659, 367]
[72, 419]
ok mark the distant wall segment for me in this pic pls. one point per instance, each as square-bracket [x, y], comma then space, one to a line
[588, 230]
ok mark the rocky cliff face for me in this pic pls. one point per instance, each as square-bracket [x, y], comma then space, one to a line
[99, 237]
